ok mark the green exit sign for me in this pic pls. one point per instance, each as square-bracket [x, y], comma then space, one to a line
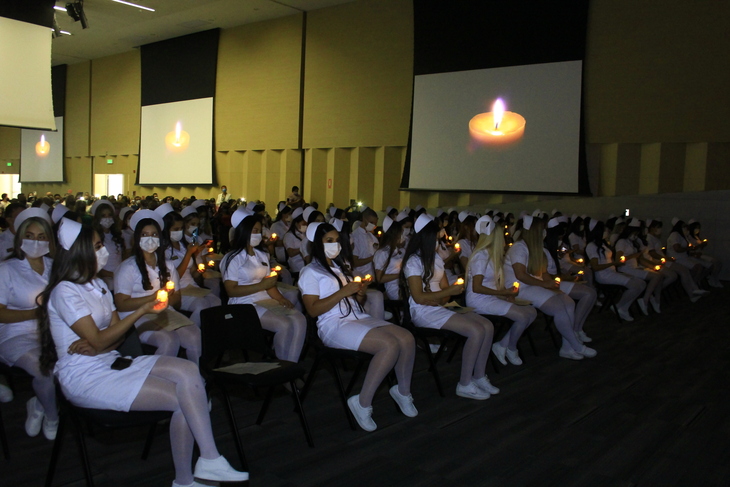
[10, 164]
[110, 161]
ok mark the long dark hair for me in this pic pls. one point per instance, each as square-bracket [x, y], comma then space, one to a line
[170, 219]
[678, 229]
[626, 233]
[77, 265]
[114, 229]
[596, 235]
[391, 239]
[320, 258]
[138, 254]
[467, 230]
[241, 238]
[552, 242]
[423, 246]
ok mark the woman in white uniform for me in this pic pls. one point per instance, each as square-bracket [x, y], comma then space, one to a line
[280, 227]
[679, 248]
[388, 259]
[293, 241]
[137, 281]
[669, 266]
[247, 278]
[526, 264]
[712, 265]
[632, 248]
[125, 214]
[330, 295]
[487, 291]
[24, 276]
[428, 290]
[309, 216]
[467, 238]
[106, 222]
[183, 256]
[80, 329]
[601, 261]
[191, 222]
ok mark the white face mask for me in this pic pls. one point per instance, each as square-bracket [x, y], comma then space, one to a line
[176, 236]
[369, 227]
[102, 256]
[106, 222]
[191, 230]
[34, 248]
[149, 244]
[255, 239]
[332, 249]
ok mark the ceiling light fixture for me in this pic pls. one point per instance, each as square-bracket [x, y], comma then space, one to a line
[59, 8]
[134, 5]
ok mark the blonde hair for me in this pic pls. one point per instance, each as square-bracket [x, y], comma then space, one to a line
[537, 264]
[494, 243]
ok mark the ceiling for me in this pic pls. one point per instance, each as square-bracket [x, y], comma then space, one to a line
[115, 28]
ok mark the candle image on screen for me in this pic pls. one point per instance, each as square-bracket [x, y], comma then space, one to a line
[177, 140]
[42, 148]
[498, 127]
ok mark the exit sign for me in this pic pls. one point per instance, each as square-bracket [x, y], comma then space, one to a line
[10, 164]
[110, 161]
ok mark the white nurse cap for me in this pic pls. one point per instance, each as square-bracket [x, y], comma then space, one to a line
[553, 222]
[527, 222]
[164, 209]
[297, 213]
[485, 225]
[98, 203]
[333, 210]
[537, 212]
[337, 223]
[439, 212]
[691, 221]
[308, 212]
[311, 230]
[675, 220]
[635, 223]
[281, 206]
[68, 232]
[423, 220]
[58, 213]
[418, 208]
[189, 210]
[239, 215]
[463, 215]
[31, 213]
[197, 203]
[401, 216]
[251, 205]
[144, 214]
[387, 222]
[592, 225]
[124, 211]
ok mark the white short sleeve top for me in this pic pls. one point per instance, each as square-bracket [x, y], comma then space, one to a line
[394, 266]
[292, 241]
[245, 270]
[414, 267]
[517, 254]
[128, 280]
[19, 287]
[364, 246]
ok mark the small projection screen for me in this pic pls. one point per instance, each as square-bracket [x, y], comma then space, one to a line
[497, 98]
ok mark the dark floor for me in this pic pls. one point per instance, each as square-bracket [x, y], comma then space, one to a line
[650, 410]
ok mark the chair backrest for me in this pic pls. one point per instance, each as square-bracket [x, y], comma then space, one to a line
[231, 327]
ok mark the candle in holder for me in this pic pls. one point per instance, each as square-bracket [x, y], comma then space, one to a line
[273, 274]
[580, 273]
[170, 286]
[457, 247]
[357, 279]
[277, 268]
[498, 127]
[657, 267]
[211, 250]
[557, 280]
[380, 233]
[460, 282]
[580, 261]
[211, 263]
[367, 277]
[664, 260]
[705, 240]
[451, 238]
[273, 236]
[510, 244]
[622, 259]
[201, 267]
[162, 295]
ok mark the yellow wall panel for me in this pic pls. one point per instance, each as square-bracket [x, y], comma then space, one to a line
[338, 178]
[671, 172]
[609, 155]
[718, 169]
[78, 105]
[695, 167]
[362, 175]
[649, 172]
[9, 144]
[315, 175]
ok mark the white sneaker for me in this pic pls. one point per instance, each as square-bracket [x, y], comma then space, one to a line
[434, 347]
[643, 306]
[625, 315]
[655, 304]
[472, 391]
[6, 393]
[194, 484]
[218, 469]
[715, 283]
[700, 292]
[584, 338]
[35, 417]
[50, 428]
[514, 357]
[499, 352]
[484, 384]
[568, 352]
[405, 403]
[363, 416]
[588, 352]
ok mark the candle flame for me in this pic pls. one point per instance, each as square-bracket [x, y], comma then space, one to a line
[178, 130]
[498, 112]
[459, 281]
[516, 285]
[43, 139]
[357, 279]
[211, 263]
[161, 296]
[170, 285]
[557, 279]
[580, 273]
[201, 267]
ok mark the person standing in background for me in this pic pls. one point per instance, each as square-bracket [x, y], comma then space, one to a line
[223, 196]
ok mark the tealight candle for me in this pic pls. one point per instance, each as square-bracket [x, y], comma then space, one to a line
[170, 286]
[273, 274]
[273, 236]
[580, 261]
[516, 285]
[657, 267]
[380, 233]
[498, 127]
[506, 234]
[277, 268]
[211, 263]
[705, 240]
[460, 282]
[557, 279]
[367, 277]
[211, 250]
[451, 238]
[201, 267]
[664, 260]
[622, 259]
[162, 295]
[580, 273]
[177, 140]
[457, 247]
[510, 244]
[42, 148]
[357, 279]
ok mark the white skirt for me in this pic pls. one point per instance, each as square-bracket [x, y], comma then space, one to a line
[13, 348]
[487, 305]
[535, 294]
[610, 276]
[347, 334]
[635, 272]
[426, 316]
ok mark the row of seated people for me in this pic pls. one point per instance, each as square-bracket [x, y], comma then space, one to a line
[76, 323]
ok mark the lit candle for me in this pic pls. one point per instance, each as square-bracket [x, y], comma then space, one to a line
[273, 274]
[273, 236]
[705, 240]
[451, 238]
[498, 127]
[457, 247]
[177, 140]
[622, 259]
[380, 233]
[170, 286]
[211, 263]
[211, 250]
[580, 273]
[580, 261]
[42, 148]
[367, 277]
[460, 282]
[201, 267]
[277, 268]
[664, 260]
[510, 244]
[557, 279]
[162, 295]
[516, 285]
[657, 267]
[357, 279]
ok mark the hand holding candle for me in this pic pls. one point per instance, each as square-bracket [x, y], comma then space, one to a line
[273, 274]
[273, 237]
[657, 267]
[162, 296]
[201, 268]
[277, 268]
[357, 279]
[457, 247]
[516, 287]
[170, 286]
[459, 282]
[367, 277]
[580, 261]
[622, 259]
[211, 263]
[664, 260]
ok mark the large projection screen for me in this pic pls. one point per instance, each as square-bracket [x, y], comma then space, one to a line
[41, 155]
[544, 158]
[168, 158]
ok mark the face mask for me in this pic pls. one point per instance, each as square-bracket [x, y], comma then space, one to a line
[225, 190]
[332, 249]
[102, 256]
[176, 236]
[34, 248]
[369, 227]
[191, 230]
[149, 244]
[255, 239]
[106, 222]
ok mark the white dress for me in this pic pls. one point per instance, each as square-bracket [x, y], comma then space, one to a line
[424, 315]
[245, 270]
[365, 245]
[293, 241]
[128, 280]
[481, 265]
[115, 258]
[280, 228]
[19, 287]
[520, 254]
[680, 257]
[565, 286]
[394, 266]
[608, 275]
[632, 267]
[337, 328]
[90, 381]
[7, 244]
[175, 256]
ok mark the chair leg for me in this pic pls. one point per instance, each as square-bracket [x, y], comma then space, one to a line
[57, 444]
[353, 379]
[300, 411]
[532, 342]
[265, 405]
[310, 376]
[341, 390]
[81, 443]
[4, 438]
[432, 365]
[234, 429]
[457, 344]
[148, 442]
[495, 363]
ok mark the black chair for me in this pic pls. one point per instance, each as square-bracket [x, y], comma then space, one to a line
[10, 373]
[236, 328]
[610, 292]
[500, 324]
[101, 417]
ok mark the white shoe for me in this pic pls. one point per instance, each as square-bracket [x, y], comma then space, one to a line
[6, 393]
[655, 304]
[219, 470]
[584, 338]
[715, 283]
[50, 428]
[434, 348]
[388, 316]
[472, 391]
[625, 315]
[363, 416]
[35, 417]
[484, 384]
[700, 292]
[588, 352]
[568, 352]
[499, 352]
[514, 357]
[643, 306]
[194, 484]
[405, 403]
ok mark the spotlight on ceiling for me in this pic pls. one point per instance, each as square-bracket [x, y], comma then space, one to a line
[75, 10]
